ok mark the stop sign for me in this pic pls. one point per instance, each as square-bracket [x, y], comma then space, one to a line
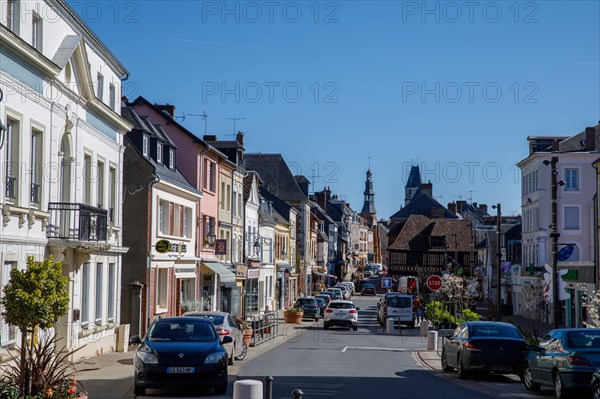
[434, 283]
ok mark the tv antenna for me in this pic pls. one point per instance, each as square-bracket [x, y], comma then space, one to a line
[182, 117]
[234, 120]
[471, 195]
[204, 118]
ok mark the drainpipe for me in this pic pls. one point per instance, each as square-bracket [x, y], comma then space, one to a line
[149, 257]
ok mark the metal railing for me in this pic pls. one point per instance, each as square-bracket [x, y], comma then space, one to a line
[77, 222]
[265, 326]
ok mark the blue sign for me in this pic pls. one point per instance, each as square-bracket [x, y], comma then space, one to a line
[386, 282]
[565, 253]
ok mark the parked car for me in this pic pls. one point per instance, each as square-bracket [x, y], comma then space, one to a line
[337, 292]
[398, 307]
[226, 326]
[180, 352]
[484, 346]
[596, 384]
[368, 289]
[328, 294]
[341, 313]
[310, 307]
[350, 285]
[565, 359]
[345, 290]
[322, 302]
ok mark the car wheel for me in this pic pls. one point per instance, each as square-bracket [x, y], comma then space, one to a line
[460, 368]
[243, 352]
[528, 380]
[597, 391]
[317, 319]
[560, 392]
[138, 390]
[221, 389]
[325, 326]
[231, 359]
[445, 366]
[355, 327]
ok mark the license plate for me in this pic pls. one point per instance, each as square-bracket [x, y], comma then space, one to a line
[180, 370]
[339, 313]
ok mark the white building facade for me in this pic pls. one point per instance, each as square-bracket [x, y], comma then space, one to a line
[61, 162]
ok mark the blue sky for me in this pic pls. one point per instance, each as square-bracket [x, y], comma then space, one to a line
[456, 88]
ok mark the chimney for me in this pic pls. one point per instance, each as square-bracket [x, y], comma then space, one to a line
[302, 183]
[239, 137]
[555, 145]
[452, 207]
[460, 205]
[590, 139]
[321, 199]
[483, 209]
[209, 137]
[166, 107]
[427, 188]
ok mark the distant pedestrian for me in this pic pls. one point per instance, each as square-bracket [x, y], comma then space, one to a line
[416, 307]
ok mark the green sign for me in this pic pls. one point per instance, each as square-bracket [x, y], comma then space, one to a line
[162, 246]
[571, 275]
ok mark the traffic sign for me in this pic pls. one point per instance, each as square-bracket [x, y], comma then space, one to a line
[386, 282]
[434, 282]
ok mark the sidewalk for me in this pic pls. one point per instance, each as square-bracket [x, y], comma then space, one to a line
[111, 376]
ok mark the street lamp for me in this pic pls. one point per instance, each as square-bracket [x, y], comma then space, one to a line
[211, 237]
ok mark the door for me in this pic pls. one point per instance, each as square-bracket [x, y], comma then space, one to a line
[545, 358]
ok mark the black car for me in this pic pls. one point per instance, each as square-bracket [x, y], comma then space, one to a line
[484, 346]
[180, 352]
[596, 384]
[322, 304]
[368, 289]
[310, 306]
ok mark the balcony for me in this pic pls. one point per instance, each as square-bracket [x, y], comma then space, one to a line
[78, 222]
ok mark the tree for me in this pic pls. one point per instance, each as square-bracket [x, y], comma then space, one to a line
[535, 308]
[34, 298]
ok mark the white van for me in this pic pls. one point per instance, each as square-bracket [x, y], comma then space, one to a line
[398, 307]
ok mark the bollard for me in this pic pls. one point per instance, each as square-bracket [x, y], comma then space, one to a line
[432, 340]
[248, 389]
[297, 394]
[269, 387]
[389, 326]
[424, 328]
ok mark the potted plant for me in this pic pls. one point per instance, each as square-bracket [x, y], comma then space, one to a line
[293, 315]
[245, 328]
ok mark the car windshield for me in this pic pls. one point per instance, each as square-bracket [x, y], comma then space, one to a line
[495, 330]
[306, 301]
[399, 302]
[584, 339]
[341, 305]
[216, 319]
[188, 330]
[320, 300]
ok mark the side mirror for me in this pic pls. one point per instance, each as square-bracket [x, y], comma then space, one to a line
[449, 336]
[357, 308]
[536, 348]
[227, 340]
[135, 340]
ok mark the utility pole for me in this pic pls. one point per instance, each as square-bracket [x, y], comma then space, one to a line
[554, 234]
[499, 254]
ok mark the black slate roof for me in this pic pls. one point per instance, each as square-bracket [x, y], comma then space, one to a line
[422, 204]
[275, 175]
[414, 177]
[279, 205]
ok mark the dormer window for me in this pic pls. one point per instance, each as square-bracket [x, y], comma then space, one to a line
[171, 158]
[100, 93]
[159, 152]
[146, 145]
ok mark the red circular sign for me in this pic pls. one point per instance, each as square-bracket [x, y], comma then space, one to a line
[434, 283]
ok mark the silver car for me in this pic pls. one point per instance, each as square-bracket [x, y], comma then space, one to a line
[226, 326]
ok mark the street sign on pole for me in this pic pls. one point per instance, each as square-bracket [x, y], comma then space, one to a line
[434, 282]
[386, 282]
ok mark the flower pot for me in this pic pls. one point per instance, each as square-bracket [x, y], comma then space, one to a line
[290, 316]
[247, 336]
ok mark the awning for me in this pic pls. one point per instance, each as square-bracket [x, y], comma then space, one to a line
[225, 275]
[284, 266]
[325, 275]
[185, 272]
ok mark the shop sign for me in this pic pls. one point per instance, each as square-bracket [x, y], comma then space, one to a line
[162, 246]
[253, 272]
[220, 247]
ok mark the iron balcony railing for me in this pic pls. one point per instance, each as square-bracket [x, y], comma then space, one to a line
[77, 222]
[11, 187]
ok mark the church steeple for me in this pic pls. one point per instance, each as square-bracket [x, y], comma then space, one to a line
[368, 210]
[413, 183]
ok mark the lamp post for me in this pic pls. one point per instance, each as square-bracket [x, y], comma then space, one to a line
[554, 234]
[498, 208]
[211, 237]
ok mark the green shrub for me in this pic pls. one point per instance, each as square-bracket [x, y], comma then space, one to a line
[469, 315]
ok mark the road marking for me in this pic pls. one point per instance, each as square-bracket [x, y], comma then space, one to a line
[373, 348]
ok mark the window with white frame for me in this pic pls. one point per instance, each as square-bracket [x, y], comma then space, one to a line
[13, 16]
[187, 225]
[228, 199]
[162, 285]
[177, 220]
[222, 195]
[112, 194]
[12, 141]
[99, 309]
[8, 333]
[571, 179]
[100, 92]
[87, 179]
[112, 96]
[36, 167]
[100, 184]
[162, 215]
[112, 291]
[85, 294]
[37, 32]
[171, 158]
[146, 145]
[159, 152]
[571, 218]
